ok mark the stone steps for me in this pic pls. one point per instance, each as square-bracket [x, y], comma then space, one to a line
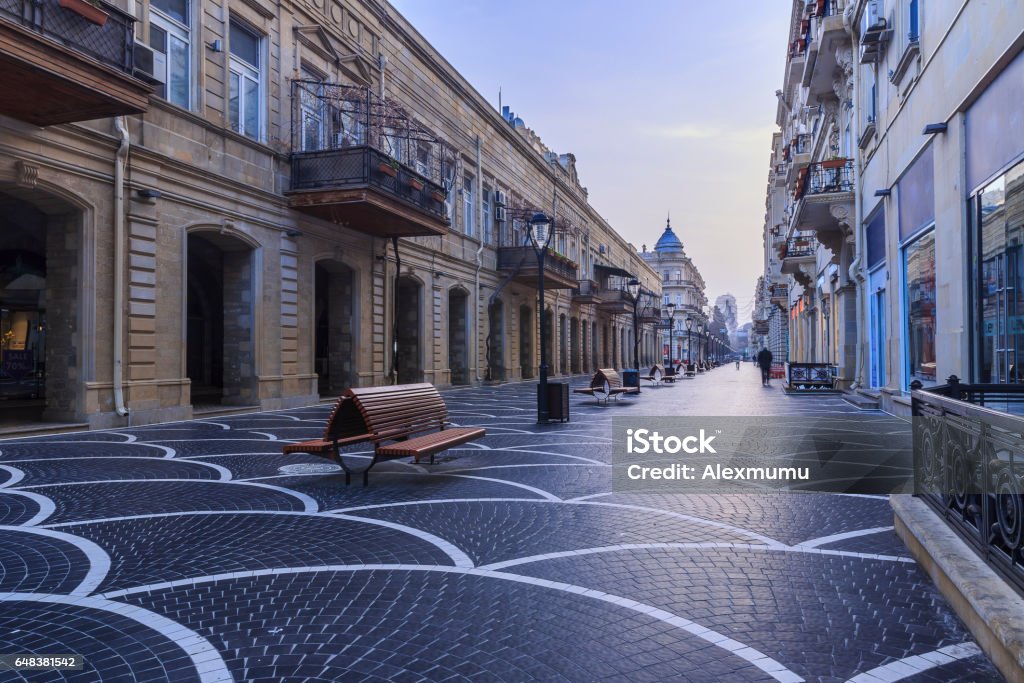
[862, 401]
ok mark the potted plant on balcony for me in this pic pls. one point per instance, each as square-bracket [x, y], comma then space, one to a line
[834, 162]
[90, 10]
[439, 195]
[388, 167]
[415, 183]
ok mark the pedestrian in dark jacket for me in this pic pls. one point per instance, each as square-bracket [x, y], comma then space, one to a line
[764, 360]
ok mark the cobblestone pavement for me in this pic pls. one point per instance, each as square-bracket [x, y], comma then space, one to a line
[196, 551]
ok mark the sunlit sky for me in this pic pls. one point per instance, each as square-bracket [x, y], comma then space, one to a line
[668, 105]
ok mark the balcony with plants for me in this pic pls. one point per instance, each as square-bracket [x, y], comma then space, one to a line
[364, 162]
[68, 60]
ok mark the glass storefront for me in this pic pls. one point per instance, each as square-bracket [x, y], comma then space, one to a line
[919, 276]
[997, 213]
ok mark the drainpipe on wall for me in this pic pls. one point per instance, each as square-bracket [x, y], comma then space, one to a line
[120, 161]
[856, 269]
[479, 258]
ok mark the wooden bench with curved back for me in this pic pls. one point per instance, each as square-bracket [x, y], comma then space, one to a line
[403, 420]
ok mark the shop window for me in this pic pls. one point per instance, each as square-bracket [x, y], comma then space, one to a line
[919, 276]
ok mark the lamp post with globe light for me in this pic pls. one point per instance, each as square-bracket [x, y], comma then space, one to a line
[540, 235]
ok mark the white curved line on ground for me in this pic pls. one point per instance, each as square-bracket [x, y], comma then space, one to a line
[532, 464]
[225, 473]
[16, 476]
[510, 449]
[863, 495]
[270, 437]
[223, 426]
[458, 558]
[224, 455]
[749, 654]
[916, 664]
[434, 502]
[684, 546]
[834, 538]
[308, 504]
[99, 560]
[206, 660]
[526, 487]
[508, 429]
[128, 438]
[591, 496]
[46, 506]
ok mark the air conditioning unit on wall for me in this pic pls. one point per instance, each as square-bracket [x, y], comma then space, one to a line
[499, 198]
[148, 64]
[499, 213]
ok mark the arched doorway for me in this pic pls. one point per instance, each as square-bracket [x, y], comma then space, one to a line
[410, 363]
[334, 362]
[40, 336]
[526, 333]
[496, 341]
[574, 345]
[563, 345]
[219, 354]
[458, 336]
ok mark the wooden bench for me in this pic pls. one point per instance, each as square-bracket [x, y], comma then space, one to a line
[606, 384]
[657, 376]
[402, 420]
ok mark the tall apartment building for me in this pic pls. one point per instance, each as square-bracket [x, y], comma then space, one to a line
[212, 205]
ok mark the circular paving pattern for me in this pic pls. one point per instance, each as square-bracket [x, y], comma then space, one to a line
[197, 551]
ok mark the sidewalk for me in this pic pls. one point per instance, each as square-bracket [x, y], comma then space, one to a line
[197, 551]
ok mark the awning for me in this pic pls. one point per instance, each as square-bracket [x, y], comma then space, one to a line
[613, 270]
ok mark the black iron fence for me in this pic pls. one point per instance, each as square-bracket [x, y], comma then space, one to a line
[511, 257]
[811, 375]
[111, 44]
[363, 166]
[969, 466]
[824, 177]
[801, 247]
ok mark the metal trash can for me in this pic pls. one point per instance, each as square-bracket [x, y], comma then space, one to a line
[558, 401]
[630, 378]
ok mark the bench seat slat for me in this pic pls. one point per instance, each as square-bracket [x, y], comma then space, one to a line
[430, 444]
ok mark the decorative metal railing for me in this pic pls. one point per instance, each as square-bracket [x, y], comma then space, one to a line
[363, 166]
[969, 466]
[511, 257]
[811, 375]
[111, 44]
[826, 177]
[588, 288]
[800, 247]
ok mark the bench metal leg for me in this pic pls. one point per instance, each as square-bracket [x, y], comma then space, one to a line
[365, 471]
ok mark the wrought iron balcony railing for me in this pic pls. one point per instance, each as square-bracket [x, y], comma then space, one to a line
[512, 257]
[825, 177]
[969, 466]
[111, 44]
[800, 247]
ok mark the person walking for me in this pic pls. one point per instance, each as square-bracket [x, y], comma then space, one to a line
[737, 363]
[764, 360]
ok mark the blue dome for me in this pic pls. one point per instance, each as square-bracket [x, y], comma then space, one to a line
[668, 243]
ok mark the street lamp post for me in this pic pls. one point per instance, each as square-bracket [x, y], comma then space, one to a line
[826, 313]
[633, 287]
[671, 308]
[700, 342]
[689, 349]
[540, 236]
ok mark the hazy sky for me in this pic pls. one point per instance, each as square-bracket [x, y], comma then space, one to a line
[668, 105]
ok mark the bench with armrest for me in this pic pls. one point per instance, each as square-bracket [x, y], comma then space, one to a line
[606, 384]
[657, 375]
[404, 420]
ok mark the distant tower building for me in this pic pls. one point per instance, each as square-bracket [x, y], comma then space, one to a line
[727, 305]
[681, 285]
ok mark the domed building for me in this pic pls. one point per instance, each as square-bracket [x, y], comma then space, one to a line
[681, 285]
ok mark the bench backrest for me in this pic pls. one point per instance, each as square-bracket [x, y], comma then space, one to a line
[400, 409]
[607, 375]
[657, 371]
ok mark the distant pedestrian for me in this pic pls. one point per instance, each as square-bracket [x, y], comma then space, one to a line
[737, 363]
[764, 360]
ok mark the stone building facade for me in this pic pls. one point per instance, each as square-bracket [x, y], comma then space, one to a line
[223, 250]
[683, 287]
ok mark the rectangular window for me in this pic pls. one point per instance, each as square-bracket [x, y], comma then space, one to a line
[914, 21]
[170, 38]
[467, 206]
[312, 112]
[245, 89]
[919, 276]
[876, 289]
[917, 194]
[999, 212]
[486, 217]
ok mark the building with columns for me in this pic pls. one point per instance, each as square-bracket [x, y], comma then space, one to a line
[681, 285]
[213, 207]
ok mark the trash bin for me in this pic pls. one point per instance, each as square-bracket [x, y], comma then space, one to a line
[558, 401]
[630, 378]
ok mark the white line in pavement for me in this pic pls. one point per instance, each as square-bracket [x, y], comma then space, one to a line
[834, 538]
[525, 487]
[99, 560]
[749, 654]
[513, 449]
[911, 666]
[223, 426]
[533, 464]
[206, 660]
[689, 546]
[270, 437]
[458, 557]
[128, 438]
[434, 502]
[16, 476]
[46, 506]
[223, 473]
[591, 496]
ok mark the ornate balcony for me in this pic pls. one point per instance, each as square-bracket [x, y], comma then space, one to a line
[827, 31]
[345, 163]
[58, 67]
[559, 272]
[615, 302]
[825, 201]
[799, 257]
[588, 292]
[779, 294]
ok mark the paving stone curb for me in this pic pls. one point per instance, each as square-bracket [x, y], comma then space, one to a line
[991, 610]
